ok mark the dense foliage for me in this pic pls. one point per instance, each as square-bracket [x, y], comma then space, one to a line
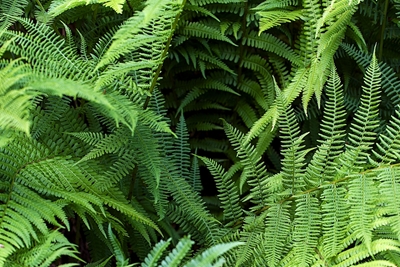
[199, 133]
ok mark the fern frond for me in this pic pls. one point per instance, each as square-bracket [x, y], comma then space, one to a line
[132, 34]
[390, 81]
[337, 16]
[60, 6]
[14, 109]
[201, 87]
[389, 186]
[272, 44]
[360, 252]
[44, 251]
[292, 147]
[363, 192]
[116, 247]
[273, 18]
[271, 116]
[155, 254]
[10, 10]
[387, 146]
[362, 135]
[195, 178]
[202, 31]
[306, 230]
[192, 216]
[52, 55]
[253, 168]
[322, 166]
[182, 147]
[335, 219]
[210, 256]
[228, 193]
[276, 4]
[252, 235]
[178, 253]
[277, 230]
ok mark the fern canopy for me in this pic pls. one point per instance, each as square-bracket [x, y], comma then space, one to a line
[199, 133]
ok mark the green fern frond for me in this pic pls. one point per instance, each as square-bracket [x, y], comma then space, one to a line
[246, 112]
[387, 147]
[273, 18]
[100, 263]
[182, 147]
[192, 215]
[207, 2]
[201, 87]
[354, 33]
[277, 230]
[271, 116]
[211, 255]
[15, 104]
[178, 253]
[228, 193]
[122, 261]
[389, 185]
[272, 44]
[53, 55]
[256, 63]
[44, 252]
[200, 10]
[292, 147]
[9, 11]
[336, 17]
[254, 89]
[363, 192]
[362, 135]
[194, 177]
[254, 171]
[58, 7]
[135, 29]
[276, 4]
[306, 230]
[60, 178]
[390, 81]
[322, 166]
[202, 31]
[358, 253]
[155, 254]
[252, 235]
[335, 220]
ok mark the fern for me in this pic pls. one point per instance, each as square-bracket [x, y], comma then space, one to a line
[60, 7]
[331, 202]
[103, 103]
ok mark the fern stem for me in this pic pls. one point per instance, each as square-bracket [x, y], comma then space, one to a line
[383, 30]
[164, 54]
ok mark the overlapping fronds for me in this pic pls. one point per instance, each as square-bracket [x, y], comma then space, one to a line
[92, 150]
[27, 179]
[315, 211]
[228, 192]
